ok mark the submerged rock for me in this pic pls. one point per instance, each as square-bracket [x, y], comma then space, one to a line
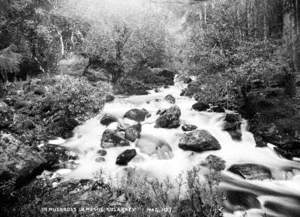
[154, 147]
[133, 132]
[125, 157]
[169, 118]
[102, 152]
[199, 141]
[137, 115]
[112, 139]
[200, 106]
[171, 99]
[189, 127]
[107, 119]
[251, 171]
[100, 159]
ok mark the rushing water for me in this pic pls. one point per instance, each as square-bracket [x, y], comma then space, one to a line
[277, 197]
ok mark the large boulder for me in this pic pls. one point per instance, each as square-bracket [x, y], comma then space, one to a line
[169, 118]
[154, 147]
[199, 141]
[284, 134]
[6, 115]
[200, 106]
[251, 171]
[133, 132]
[19, 164]
[112, 139]
[125, 157]
[107, 119]
[137, 115]
[243, 200]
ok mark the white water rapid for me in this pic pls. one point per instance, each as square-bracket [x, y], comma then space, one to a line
[279, 197]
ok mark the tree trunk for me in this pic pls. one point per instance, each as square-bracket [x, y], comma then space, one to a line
[297, 44]
[2, 89]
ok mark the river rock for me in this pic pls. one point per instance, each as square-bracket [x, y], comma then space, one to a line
[112, 139]
[232, 124]
[199, 141]
[200, 106]
[251, 171]
[217, 109]
[169, 118]
[171, 99]
[189, 127]
[100, 159]
[243, 200]
[125, 157]
[133, 132]
[154, 147]
[109, 98]
[102, 152]
[137, 115]
[214, 162]
[107, 119]
[19, 164]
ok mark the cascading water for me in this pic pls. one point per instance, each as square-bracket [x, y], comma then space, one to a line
[277, 197]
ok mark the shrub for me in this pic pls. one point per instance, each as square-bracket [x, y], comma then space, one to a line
[76, 97]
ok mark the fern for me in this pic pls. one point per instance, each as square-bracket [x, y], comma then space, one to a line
[9, 62]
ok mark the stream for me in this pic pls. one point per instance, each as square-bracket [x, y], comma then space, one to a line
[276, 197]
